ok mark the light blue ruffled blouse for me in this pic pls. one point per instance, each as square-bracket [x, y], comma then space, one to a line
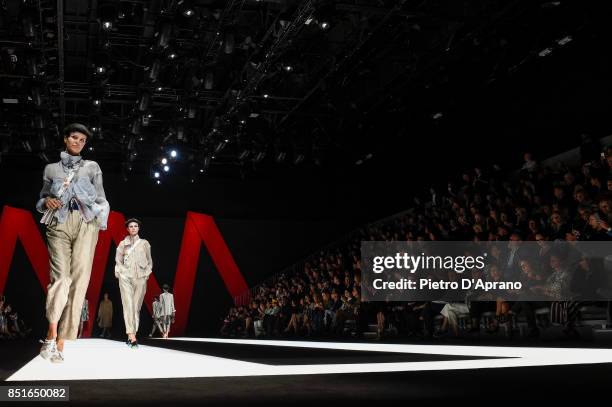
[86, 188]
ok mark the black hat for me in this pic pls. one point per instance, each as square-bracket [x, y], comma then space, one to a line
[130, 220]
[74, 127]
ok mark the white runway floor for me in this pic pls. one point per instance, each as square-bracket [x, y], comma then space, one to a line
[101, 359]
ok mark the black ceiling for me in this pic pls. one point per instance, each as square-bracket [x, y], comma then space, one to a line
[267, 86]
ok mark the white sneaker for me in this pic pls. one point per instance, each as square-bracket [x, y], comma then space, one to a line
[48, 349]
[57, 357]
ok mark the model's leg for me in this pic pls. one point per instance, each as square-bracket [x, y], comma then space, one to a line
[59, 243]
[166, 325]
[153, 329]
[127, 295]
[140, 288]
[83, 250]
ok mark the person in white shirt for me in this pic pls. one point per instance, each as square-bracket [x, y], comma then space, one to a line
[167, 310]
[133, 265]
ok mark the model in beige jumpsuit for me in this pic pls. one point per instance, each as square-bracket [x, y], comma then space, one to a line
[133, 265]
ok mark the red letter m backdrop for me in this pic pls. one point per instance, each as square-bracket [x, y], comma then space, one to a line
[18, 224]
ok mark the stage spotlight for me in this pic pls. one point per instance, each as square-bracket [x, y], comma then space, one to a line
[159, 89]
[192, 111]
[209, 80]
[545, 52]
[26, 146]
[39, 122]
[97, 102]
[288, 68]
[228, 43]
[43, 156]
[42, 141]
[154, 71]
[131, 143]
[324, 25]
[243, 154]
[144, 101]
[32, 65]
[266, 96]
[135, 129]
[259, 156]
[28, 27]
[164, 161]
[36, 97]
[108, 12]
[166, 168]
[188, 12]
[100, 70]
[156, 174]
[158, 182]
[220, 145]
[172, 55]
[564, 40]
[164, 36]
[173, 153]
[280, 157]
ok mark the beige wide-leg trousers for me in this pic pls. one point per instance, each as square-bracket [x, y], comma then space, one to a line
[72, 245]
[132, 294]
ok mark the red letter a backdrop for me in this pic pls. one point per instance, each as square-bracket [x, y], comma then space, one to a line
[18, 224]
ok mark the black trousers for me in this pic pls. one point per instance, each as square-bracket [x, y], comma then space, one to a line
[527, 308]
[430, 311]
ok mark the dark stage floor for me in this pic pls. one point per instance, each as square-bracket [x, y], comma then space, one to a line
[557, 372]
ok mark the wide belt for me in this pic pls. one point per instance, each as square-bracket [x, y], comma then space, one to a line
[73, 205]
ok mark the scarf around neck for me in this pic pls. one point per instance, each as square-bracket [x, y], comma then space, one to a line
[69, 160]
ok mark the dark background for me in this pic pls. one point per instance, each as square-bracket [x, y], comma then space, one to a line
[476, 63]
